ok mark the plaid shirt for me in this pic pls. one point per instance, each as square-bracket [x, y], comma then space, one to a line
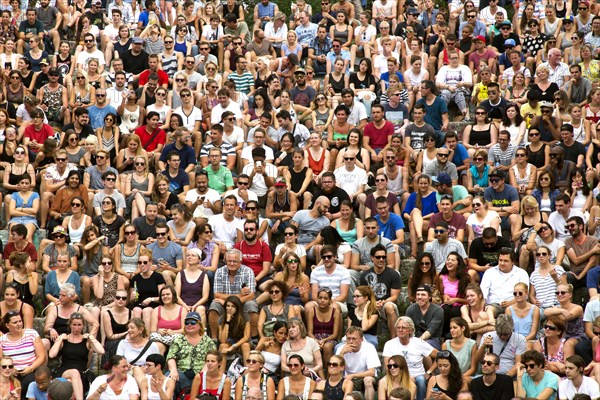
[321, 49]
[243, 276]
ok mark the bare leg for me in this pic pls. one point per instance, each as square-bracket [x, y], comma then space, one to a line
[74, 377]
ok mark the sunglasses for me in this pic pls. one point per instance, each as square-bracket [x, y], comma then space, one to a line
[495, 180]
[392, 366]
[76, 204]
[293, 261]
[518, 294]
[488, 363]
[274, 291]
[143, 262]
[250, 208]
[333, 364]
[442, 154]
[439, 231]
[530, 366]
[130, 232]
[550, 327]
[348, 158]
[7, 366]
[560, 292]
[541, 254]
[251, 361]
[61, 159]
[140, 163]
[121, 297]
[290, 365]
[543, 229]
[110, 179]
[191, 322]
[242, 183]
[327, 257]
[107, 263]
[379, 257]
[100, 95]
[161, 234]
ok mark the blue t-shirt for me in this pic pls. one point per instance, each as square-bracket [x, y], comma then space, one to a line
[388, 230]
[503, 198]
[434, 112]
[176, 183]
[386, 77]
[171, 254]
[34, 392]
[186, 154]
[428, 204]
[97, 115]
[550, 380]
[460, 155]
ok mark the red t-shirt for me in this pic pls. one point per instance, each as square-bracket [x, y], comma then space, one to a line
[379, 138]
[254, 255]
[163, 78]
[39, 136]
[147, 144]
[29, 249]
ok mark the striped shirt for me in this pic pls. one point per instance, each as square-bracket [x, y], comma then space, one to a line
[545, 287]
[21, 351]
[243, 82]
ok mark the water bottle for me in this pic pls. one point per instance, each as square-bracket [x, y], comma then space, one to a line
[136, 294]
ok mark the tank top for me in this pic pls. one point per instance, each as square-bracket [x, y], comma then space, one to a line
[129, 263]
[537, 158]
[450, 288]
[61, 325]
[305, 391]
[522, 325]
[74, 356]
[316, 165]
[180, 47]
[322, 330]
[76, 234]
[297, 179]
[337, 86]
[394, 185]
[334, 392]
[130, 119]
[26, 296]
[5, 157]
[285, 207]
[354, 321]
[173, 324]
[191, 292]
[560, 14]
[15, 97]
[110, 291]
[117, 327]
[341, 35]
[108, 144]
[266, 10]
[13, 178]
[591, 116]
[169, 64]
[348, 236]
[427, 160]
[154, 395]
[525, 180]
[481, 138]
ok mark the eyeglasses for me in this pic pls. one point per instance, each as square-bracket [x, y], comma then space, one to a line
[274, 291]
[191, 322]
[550, 327]
[327, 257]
[560, 292]
[392, 366]
[106, 262]
[161, 234]
[488, 363]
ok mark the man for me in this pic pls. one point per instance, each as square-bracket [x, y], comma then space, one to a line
[306, 32]
[501, 197]
[259, 137]
[242, 193]
[534, 379]
[492, 385]
[436, 110]
[385, 63]
[109, 178]
[485, 250]
[60, 389]
[427, 317]
[326, 17]
[559, 71]
[225, 225]
[235, 29]
[92, 177]
[395, 111]
[333, 192]
[358, 113]
[391, 225]
[563, 212]
[262, 174]
[153, 138]
[574, 151]
[219, 177]
[352, 180]
[203, 201]
[560, 167]
[225, 104]
[179, 180]
[482, 52]
[506, 33]
[282, 205]
[361, 361]
[477, 25]
[90, 51]
[495, 105]
[228, 154]
[332, 275]
[416, 352]
[362, 260]
[181, 147]
[593, 38]
[256, 253]
[136, 59]
[29, 28]
[336, 52]
[260, 46]
[118, 92]
[514, 57]
[502, 154]
[384, 281]
[318, 49]
[396, 177]
[310, 222]
[458, 193]
[298, 130]
[302, 93]
[412, 15]
[415, 132]
[456, 222]
[233, 279]
[117, 66]
[37, 132]
[51, 19]
[498, 282]
[100, 109]
[18, 243]
[167, 255]
[548, 125]
[146, 225]
[582, 251]
[264, 12]
[441, 165]
[504, 342]
[443, 245]
[578, 88]
[244, 81]
[377, 133]
[150, 15]
[153, 63]
[49, 94]
[80, 125]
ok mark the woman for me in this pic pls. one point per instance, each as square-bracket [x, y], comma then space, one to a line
[13, 173]
[552, 344]
[452, 284]
[297, 383]
[544, 280]
[270, 348]
[167, 319]
[342, 30]
[291, 46]
[139, 185]
[449, 382]
[420, 206]
[24, 206]
[234, 332]
[522, 175]
[329, 235]
[209, 249]
[284, 158]
[58, 277]
[337, 133]
[299, 177]
[15, 91]
[546, 192]
[35, 54]
[27, 74]
[192, 284]
[316, 157]
[212, 381]
[136, 346]
[255, 377]
[12, 302]
[58, 315]
[161, 107]
[126, 254]
[543, 85]
[297, 112]
[182, 45]
[144, 287]
[181, 226]
[365, 315]
[543, 234]
[335, 82]
[24, 346]
[363, 84]
[8, 148]
[262, 68]
[92, 247]
[108, 135]
[259, 106]
[10, 387]
[590, 67]
[95, 78]
[482, 218]
[423, 273]
[292, 269]
[322, 114]
[582, 130]
[347, 225]
[397, 376]
[109, 223]
[482, 134]
[163, 197]
[74, 351]
[299, 343]
[114, 323]
[573, 315]
[513, 122]
[105, 284]
[462, 346]
[131, 148]
[336, 387]
[131, 114]
[517, 93]
[525, 315]
[381, 189]
[278, 310]
[83, 94]
[479, 316]
[579, 192]
[324, 323]
[363, 158]
[106, 387]
[522, 225]
[64, 60]
[427, 155]
[71, 145]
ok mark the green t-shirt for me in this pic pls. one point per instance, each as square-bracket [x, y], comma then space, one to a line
[459, 192]
[219, 180]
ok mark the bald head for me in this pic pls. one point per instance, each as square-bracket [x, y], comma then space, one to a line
[254, 393]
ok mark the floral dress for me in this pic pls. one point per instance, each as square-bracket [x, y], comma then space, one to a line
[593, 72]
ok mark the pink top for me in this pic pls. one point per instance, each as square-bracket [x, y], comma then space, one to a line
[174, 324]
[450, 288]
[22, 351]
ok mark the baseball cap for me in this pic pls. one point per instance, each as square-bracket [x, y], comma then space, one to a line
[280, 181]
[193, 315]
[444, 179]
[480, 37]
[44, 61]
[499, 174]
[505, 23]
[300, 71]
[510, 42]
[137, 40]
[546, 104]
[412, 11]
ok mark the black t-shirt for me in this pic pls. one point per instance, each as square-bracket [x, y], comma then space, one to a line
[111, 231]
[147, 287]
[144, 229]
[487, 255]
[135, 64]
[416, 134]
[501, 389]
[383, 283]
[86, 130]
[401, 30]
[573, 151]
[335, 198]
[498, 41]
[96, 19]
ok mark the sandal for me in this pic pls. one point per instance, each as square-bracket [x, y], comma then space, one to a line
[420, 240]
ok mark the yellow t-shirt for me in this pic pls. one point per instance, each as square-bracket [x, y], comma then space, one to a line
[527, 111]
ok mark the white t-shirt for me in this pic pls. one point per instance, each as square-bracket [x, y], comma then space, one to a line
[218, 110]
[350, 181]
[247, 153]
[189, 121]
[241, 202]
[300, 250]
[413, 353]
[498, 286]
[129, 388]
[381, 62]
[224, 231]
[211, 195]
[362, 360]
[258, 185]
[366, 35]
[589, 386]
[84, 56]
[236, 136]
[162, 112]
[451, 76]
[479, 226]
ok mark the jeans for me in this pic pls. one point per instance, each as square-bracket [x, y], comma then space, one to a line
[421, 383]
[182, 383]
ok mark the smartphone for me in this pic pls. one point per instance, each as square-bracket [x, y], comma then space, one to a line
[259, 163]
[161, 260]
